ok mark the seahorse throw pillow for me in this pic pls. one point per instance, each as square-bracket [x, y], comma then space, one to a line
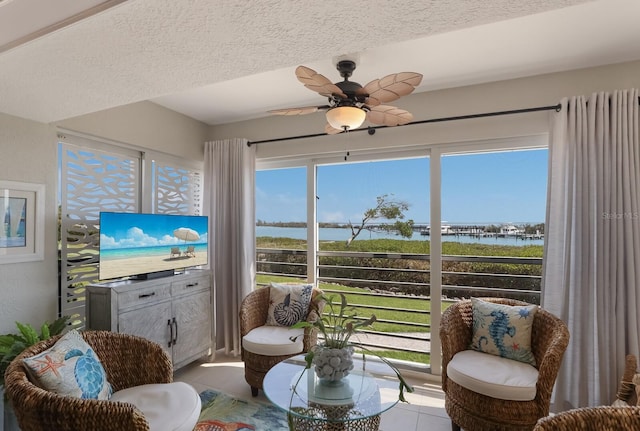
[503, 330]
[288, 303]
[70, 367]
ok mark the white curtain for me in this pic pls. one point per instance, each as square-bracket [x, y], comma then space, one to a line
[591, 274]
[229, 190]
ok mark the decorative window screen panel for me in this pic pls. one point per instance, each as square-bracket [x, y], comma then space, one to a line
[91, 180]
[97, 177]
[178, 190]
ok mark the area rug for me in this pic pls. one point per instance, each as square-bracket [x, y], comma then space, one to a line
[221, 412]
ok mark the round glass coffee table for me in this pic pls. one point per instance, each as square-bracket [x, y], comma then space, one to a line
[353, 404]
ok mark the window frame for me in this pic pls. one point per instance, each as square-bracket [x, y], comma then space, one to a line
[434, 152]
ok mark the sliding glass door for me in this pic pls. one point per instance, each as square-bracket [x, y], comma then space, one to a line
[404, 234]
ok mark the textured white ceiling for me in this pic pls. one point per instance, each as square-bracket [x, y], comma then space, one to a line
[21, 18]
[225, 60]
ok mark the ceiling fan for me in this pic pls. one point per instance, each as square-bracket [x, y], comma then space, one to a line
[350, 103]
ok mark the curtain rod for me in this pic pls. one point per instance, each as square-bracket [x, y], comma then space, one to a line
[372, 129]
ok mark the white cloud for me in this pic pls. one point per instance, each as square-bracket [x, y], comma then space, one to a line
[107, 241]
[135, 237]
[332, 217]
[168, 240]
[171, 240]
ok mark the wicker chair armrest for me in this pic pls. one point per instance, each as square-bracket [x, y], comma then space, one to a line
[455, 330]
[130, 360]
[626, 388]
[316, 306]
[592, 419]
[455, 334]
[549, 351]
[310, 338]
[315, 312]
[253, 310]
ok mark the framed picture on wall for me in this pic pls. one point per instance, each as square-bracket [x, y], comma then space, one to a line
[21, 222]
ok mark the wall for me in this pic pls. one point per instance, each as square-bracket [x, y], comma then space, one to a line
[520, 93]
[28, 153]
[28, 291]
[145, 125]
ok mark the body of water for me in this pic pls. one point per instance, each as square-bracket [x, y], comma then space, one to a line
[159, 250]
[342, 234]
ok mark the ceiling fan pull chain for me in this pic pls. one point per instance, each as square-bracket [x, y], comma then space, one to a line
[346, 143]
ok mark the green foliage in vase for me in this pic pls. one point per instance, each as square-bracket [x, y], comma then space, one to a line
[337, 322]
[11, 345]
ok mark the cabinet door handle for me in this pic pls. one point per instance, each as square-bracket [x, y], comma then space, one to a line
[146, 295]
[192, 284]
[175, 340]
[171, 332]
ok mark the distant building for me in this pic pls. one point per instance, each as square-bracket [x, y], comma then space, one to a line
[445, 229]
[510, 230]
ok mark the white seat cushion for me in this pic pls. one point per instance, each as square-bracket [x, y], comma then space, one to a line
[166, 406]
[273, 340]
[493, 376]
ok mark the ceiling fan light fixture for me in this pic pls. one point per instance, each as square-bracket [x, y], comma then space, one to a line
[346, 117]
[350, 103]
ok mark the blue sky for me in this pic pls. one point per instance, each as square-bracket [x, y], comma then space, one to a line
[482, 188]
[118, 230]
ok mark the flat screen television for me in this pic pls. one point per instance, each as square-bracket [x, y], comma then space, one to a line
[144, 246]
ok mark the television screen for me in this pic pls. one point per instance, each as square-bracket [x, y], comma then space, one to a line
[134, 244]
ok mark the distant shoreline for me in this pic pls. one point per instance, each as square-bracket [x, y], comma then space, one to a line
[343, 225]
[342, 234]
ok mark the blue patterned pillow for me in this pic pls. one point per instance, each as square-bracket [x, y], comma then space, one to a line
[288, 303]
[70, 367]
[503, 330]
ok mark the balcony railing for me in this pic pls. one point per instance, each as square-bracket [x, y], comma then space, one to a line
[401, 282]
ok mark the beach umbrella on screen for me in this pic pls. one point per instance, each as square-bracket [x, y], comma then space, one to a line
[186, 234]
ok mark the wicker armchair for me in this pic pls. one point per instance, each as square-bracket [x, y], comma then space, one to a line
[474, 411]
[592, 419]
[128, 361]
[253, 313]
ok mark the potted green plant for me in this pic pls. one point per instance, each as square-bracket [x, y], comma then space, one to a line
[333, 357]
[11, 345]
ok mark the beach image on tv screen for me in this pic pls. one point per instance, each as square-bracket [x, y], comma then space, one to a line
[133, 244]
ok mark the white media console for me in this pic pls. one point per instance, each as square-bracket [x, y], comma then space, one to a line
[174, 311]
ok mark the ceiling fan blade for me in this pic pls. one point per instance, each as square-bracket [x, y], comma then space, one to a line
[363, 95]
[331, 130]
[318, 83]
[389, 115]
[391, 87]
[303, 110]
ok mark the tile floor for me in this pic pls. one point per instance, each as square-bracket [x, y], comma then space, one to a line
[425, 410]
